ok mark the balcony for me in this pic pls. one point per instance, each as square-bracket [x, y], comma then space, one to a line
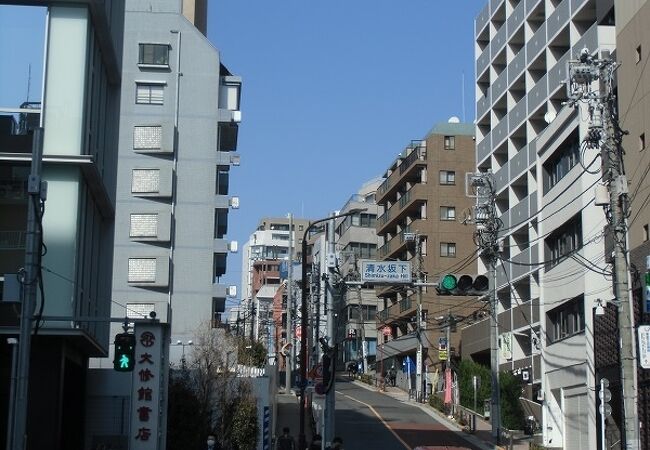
[406, 170]
[408, 203]
[12, 240]
[229, 99]
[403, 309]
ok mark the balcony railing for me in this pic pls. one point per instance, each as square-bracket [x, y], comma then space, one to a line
[418, 153]
[12, 240]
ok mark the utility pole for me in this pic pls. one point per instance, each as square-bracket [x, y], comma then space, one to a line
[487, 227]
[362, 321]
[29, 278]
[605, 134]
[330, 399]
[419, 378]
[289, 328]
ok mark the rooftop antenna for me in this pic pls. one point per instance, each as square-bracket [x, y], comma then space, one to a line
[29, 80]
[462, 90]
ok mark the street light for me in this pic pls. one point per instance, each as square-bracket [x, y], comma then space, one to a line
[303, 319]
[179, 342]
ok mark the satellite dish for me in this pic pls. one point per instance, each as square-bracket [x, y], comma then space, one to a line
[549, 116]
[453, 119]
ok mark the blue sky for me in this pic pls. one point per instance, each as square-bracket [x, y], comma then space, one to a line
[332, 91]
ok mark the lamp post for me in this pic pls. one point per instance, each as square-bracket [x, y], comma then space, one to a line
[181, 343]
[303, 320]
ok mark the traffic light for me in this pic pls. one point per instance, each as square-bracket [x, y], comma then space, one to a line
[463, 285]
[124, 359]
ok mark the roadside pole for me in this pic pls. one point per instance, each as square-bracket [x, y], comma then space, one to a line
[330, 399]
[29, 284]
[289, 309]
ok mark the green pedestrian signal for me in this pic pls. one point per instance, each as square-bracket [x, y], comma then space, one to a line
[124, 359]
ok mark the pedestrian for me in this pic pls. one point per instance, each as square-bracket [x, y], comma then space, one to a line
[392, 373]
[337, 444]
[286, 441]
[316, 443]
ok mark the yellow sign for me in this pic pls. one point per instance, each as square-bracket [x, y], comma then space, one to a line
[442, 355]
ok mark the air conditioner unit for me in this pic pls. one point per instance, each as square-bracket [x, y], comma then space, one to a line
[234, 202]
[236, 116]
[233, 246]
[231, 291]
[235, 159]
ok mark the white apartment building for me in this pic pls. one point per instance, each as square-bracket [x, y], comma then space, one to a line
[552, 234]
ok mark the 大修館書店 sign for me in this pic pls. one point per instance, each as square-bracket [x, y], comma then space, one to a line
[386, 272]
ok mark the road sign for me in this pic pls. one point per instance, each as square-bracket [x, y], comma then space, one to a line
[442, 355]
[386, 272]
[644, 346]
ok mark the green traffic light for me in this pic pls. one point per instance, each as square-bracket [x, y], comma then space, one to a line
[449, 282]
[125, 362]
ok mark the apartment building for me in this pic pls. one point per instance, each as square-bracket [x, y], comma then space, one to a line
[263, 289]
[632, 51]
[79, 113]
[423, 196]
[550, 273]
[179, 124]
[356, 240]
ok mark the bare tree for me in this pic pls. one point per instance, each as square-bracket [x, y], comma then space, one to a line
[225, 402]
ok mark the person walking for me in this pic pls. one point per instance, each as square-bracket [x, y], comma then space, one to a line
[286, 441]
[316, 443]
[337, 444]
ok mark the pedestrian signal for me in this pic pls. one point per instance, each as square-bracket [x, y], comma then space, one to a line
[124, 359]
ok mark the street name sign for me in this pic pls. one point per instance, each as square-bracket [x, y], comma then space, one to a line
[388, 272]
[644, 346]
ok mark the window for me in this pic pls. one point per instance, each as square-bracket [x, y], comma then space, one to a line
[450, 142]
[147, 138]
[280, 237]
[565, 158]
[144, 225]
[139, 310]
[564, 241]
[142, 270]
[642, 141]
[145, 181]
[448, 249]
[637, 54]
[218, 307]
[220, 222]
[447, 213]
[219, 266]
[149, 93]
[153, 54]
[222, 180]
[447, 177]
[567, 320]
[362, 249]
[646, 232]
[360, 220]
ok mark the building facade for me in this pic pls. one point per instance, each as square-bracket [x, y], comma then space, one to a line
[79, 114]
[552, 266]
[179, 124]
[263, 289]
[423, 196]
[356, 240]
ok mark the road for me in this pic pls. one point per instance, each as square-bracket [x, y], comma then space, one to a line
[367, 420]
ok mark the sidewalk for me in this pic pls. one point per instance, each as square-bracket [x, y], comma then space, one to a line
[482, 437]
[289, 416]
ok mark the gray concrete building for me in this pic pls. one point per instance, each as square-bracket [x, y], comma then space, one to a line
[179, 123]
[79, 113]
[550, 273]
[356, 239]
